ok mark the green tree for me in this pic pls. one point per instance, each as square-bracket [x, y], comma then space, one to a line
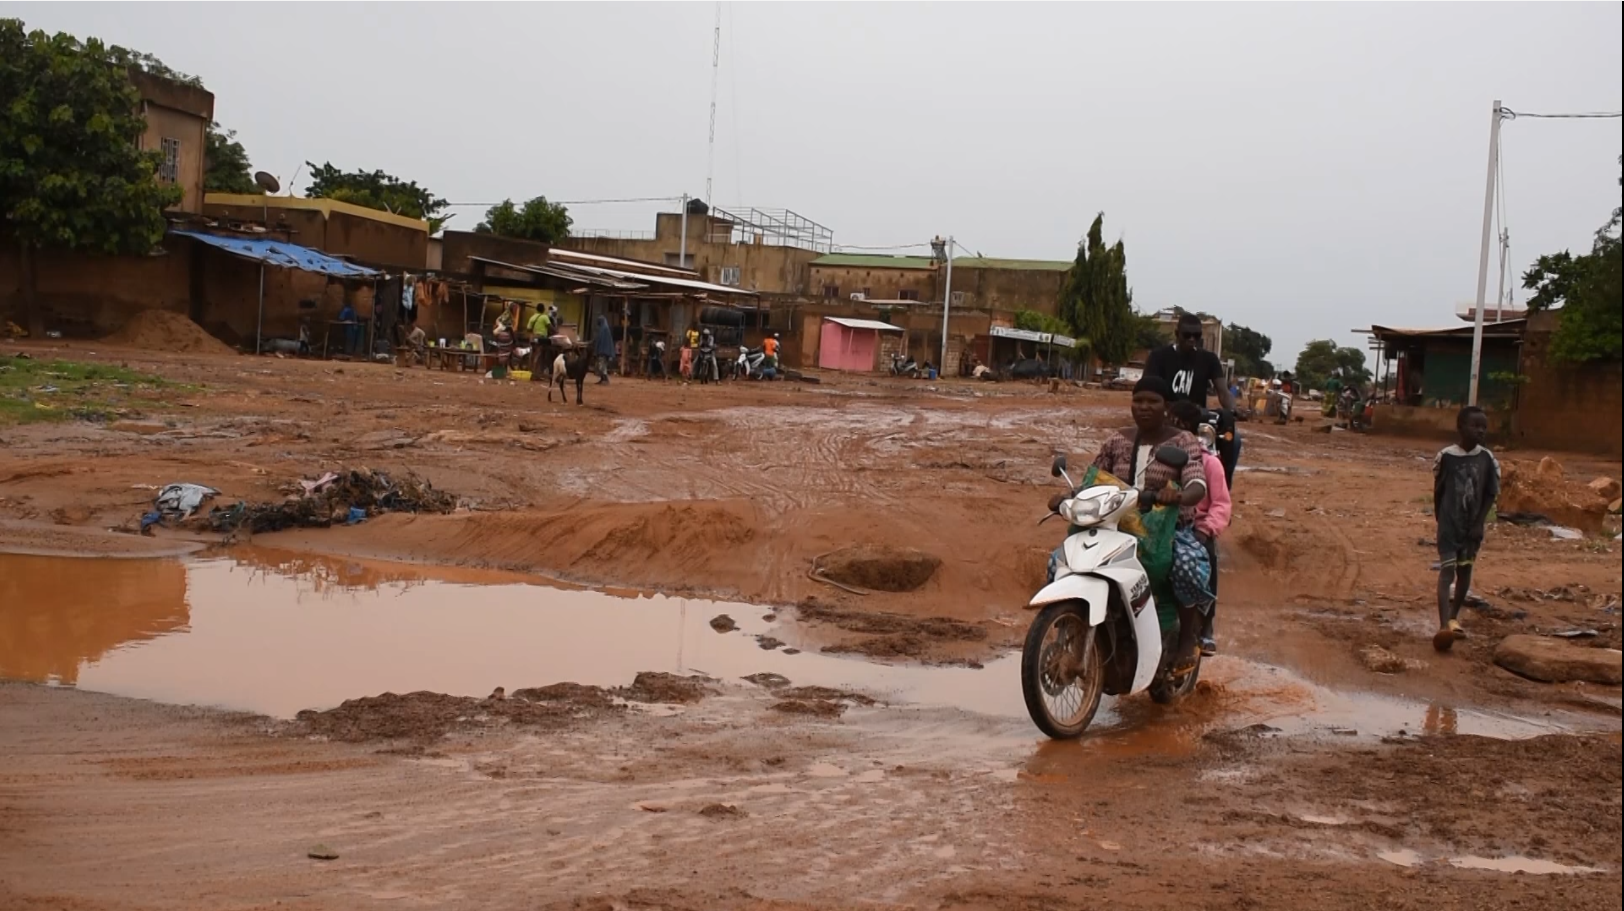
[147, 63]
[1096, 301]
[377, 190]
[1322, 359]
[225, 163]
[1149, 333]
[1250, 349]
[537, 219]
[72, 173]
[1033, 321]
[1587, 294]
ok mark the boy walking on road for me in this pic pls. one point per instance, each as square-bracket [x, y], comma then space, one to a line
[1466, 482]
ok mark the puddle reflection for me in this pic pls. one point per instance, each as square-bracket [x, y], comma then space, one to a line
[57, 613]
[277, 633]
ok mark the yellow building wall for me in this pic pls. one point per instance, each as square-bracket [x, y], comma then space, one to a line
[570, 306]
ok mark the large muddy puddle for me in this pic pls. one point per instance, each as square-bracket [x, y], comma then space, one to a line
[276, 632]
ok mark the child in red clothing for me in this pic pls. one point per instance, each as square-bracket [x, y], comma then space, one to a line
[1212, 515]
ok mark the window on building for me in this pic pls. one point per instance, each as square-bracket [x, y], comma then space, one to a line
[908, 294]
[831, 292]
[868, 292]
[730, 276]
[169, 167]
[958, 298]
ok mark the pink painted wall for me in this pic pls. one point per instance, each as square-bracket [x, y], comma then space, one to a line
[841, 348]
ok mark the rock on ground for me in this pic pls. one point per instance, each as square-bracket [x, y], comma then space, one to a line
[1557, 661]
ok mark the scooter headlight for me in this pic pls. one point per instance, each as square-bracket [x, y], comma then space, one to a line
[1090, 510]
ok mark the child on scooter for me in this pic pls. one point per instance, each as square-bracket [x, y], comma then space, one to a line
[1465, 484]
[1212, 514]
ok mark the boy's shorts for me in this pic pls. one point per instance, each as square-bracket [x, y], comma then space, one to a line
[1457, 554]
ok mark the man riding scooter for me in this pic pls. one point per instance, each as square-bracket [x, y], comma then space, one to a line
[1193, 372]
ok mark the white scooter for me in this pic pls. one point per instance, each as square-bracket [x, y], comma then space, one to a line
[748, 365]
[1097, 631]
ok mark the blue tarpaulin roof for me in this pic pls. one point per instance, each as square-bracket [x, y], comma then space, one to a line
[282, 253]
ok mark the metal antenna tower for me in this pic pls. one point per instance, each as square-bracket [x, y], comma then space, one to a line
[716, 62]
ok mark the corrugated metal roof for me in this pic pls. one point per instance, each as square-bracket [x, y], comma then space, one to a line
[874, 324]
[282, 253]
[878, 261]
[666, 280]
[1017, 265]
[564, 271]
[1505, 329]
[619, 262]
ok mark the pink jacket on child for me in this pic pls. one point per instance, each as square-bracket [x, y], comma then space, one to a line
[1212, 515]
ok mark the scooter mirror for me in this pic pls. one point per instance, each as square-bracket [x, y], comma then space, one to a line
[1059, 466]
[1173, 456]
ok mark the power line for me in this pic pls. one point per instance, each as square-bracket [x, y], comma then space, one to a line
[1509, 114]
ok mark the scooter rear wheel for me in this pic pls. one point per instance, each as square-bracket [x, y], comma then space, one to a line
[1062, 673]
[1166, 692]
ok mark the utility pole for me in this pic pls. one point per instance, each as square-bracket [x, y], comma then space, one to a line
[947, 304]
[1483, 253]
[1500, 294]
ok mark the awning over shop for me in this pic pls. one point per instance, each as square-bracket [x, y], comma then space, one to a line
[567, 273]
[1029, 335]
[851, 323]
[667, 280]
[282, 253]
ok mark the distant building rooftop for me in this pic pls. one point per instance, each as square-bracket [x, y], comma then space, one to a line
[874, 261]
[887, 261]
[1036, 265]
[325, 206]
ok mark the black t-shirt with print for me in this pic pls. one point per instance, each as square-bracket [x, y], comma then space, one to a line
[1191, 374]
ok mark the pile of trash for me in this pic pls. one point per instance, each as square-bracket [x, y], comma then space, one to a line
[335, 498]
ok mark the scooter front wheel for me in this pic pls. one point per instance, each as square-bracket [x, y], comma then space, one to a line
[1062, 674]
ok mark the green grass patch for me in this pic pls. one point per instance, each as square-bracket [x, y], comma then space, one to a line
[33, 390]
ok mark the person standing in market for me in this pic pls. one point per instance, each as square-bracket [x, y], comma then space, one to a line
[603, 349]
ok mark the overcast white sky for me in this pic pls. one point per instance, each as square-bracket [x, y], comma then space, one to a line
[1303, 169]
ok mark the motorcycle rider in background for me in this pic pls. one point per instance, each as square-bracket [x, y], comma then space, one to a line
[1192, 372]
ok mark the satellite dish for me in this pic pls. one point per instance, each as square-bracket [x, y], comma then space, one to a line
[267, 182]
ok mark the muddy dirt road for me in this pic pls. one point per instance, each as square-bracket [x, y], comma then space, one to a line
[877, 757]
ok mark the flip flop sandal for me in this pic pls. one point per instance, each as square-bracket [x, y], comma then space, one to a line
[1185, 667]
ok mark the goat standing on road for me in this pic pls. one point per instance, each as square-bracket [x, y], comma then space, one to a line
[568, 365]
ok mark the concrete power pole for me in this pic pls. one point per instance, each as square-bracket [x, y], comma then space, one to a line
[1483, 254]
[947, 304]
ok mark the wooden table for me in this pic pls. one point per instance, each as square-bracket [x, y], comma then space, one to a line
[435, 357]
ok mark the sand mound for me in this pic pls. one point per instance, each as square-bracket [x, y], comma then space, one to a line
[163, 330]
[1544, 489]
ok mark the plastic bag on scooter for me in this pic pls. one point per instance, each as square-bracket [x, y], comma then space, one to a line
[1155, 530]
